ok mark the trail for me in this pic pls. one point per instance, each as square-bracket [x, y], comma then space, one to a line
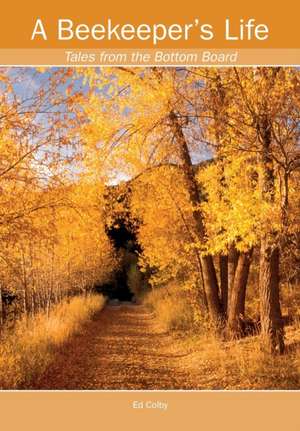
[122, 348]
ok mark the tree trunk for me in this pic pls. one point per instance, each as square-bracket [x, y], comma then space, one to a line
[223, 265]
[209, 272]
[238, 295]
[270, 312]
[233, 256]
[211, 289]
[200, 282]
[203, 296]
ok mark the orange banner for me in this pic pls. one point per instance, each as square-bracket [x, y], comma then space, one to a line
[149, 57]
[77, 411]
[189, 24]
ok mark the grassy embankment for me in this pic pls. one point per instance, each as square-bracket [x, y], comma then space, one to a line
[221, 364]
[28, 349]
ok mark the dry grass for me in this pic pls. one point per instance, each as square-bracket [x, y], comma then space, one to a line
[172, 308]
[29, 349]
[241, 365]
[219, 364]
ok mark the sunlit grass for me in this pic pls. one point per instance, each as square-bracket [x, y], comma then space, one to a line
[219, 364]
[243, 365]
[26, 351]
[172, 309]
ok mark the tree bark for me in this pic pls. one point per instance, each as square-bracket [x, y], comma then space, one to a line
[236, 311]
[233, 256]
[223, 265]
[270, 312]
[209, 272]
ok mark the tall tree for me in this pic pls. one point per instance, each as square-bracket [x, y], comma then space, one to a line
[151, 117]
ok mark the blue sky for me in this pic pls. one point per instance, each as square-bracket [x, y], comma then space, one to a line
[28, 81]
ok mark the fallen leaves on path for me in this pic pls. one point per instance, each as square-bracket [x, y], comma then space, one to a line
[122, 348]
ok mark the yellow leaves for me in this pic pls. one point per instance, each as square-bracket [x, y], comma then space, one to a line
[41, 69]
[5, 82]
[59, 235]
[118, 128]
[160, 201]
[126, 114]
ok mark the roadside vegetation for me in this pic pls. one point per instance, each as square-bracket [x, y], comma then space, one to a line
[28, 349]
[228, 364]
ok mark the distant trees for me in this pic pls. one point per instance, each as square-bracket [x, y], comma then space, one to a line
[53, 241]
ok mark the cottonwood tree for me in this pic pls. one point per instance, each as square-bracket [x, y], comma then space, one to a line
[143, 117]
[234, 264]
[166, 232]
[248, 117]
[262, 100]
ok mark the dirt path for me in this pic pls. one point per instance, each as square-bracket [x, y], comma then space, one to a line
[121, 348]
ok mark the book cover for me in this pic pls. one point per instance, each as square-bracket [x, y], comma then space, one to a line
[149, 215]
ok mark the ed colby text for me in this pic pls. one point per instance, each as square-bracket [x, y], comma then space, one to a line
[160, 405]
